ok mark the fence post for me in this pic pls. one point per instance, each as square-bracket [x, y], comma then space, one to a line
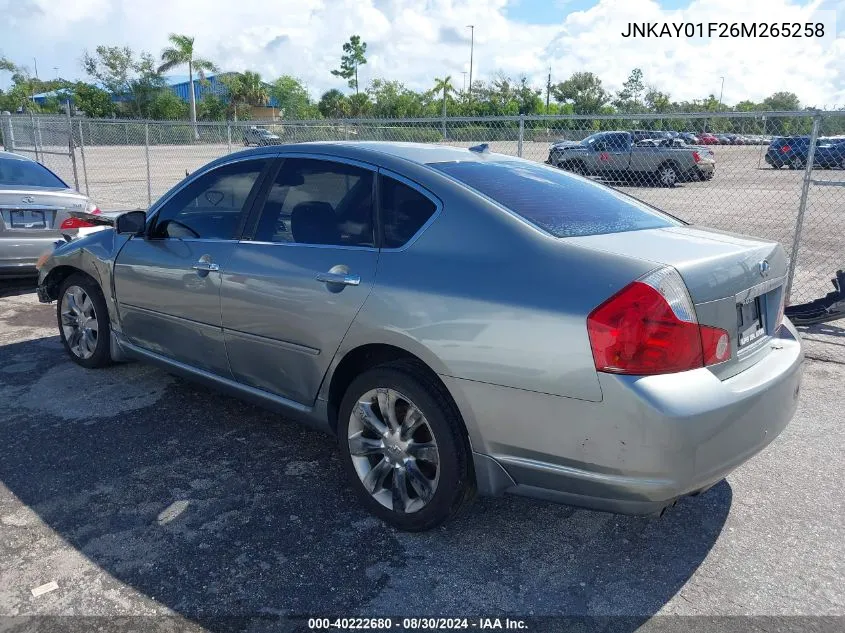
[71, 146]
[82, 153]
[147, 150]
[444, 122]
[521, 135]
[345, 131]
[34, 135]
[229, 136]
[126, 129]
[802, 205]
[8, 132]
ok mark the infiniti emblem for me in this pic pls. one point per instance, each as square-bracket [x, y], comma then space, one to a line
[28, 199]
[764, 268]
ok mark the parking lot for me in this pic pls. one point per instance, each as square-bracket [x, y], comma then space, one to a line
[139, 494]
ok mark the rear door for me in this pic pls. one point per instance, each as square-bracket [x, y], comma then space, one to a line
[292, 288]
[167, 283]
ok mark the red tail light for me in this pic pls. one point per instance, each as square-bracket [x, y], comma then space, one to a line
[75, 223]
[785, 149]
[649, 327]
[95, 211]
[696, 157]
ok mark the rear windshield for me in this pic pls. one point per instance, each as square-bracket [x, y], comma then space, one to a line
[24, 173]
[560, 204]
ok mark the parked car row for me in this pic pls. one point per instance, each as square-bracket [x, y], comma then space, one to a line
[702, 138]
[794, 152]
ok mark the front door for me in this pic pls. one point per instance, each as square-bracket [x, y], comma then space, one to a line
[290, 293]
[167, 283]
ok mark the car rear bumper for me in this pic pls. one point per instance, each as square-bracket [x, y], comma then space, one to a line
[649, 441]
[19, 255]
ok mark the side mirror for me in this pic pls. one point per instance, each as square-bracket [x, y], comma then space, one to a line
[131, 223]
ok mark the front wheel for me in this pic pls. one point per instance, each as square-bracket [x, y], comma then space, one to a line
[83, 320]
[404, 447]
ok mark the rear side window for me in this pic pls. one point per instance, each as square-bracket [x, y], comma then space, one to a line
[23, 173]
[558, 203]
[404, 210]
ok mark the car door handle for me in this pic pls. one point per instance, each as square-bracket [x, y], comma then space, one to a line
[206, 266]
[339, 278]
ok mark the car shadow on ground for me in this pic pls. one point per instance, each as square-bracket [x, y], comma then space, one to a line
[15, 287]
[217, 509]
[835, 329]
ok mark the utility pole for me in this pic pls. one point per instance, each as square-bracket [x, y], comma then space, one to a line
[471, 27]
[548, 89]
[721, 92]
[464, 73]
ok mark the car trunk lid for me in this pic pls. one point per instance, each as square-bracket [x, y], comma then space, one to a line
[736, 282]
[31, 212]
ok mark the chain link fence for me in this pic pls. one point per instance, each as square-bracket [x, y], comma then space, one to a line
[775, 175]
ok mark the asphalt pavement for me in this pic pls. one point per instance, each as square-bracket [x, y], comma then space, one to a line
[144, 497]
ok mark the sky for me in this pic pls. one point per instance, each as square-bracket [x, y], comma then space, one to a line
[415, 41]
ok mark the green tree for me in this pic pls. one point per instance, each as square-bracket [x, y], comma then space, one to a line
[166, 105]
[584, 91]
[333, 104]
[7, 65]
[629, 99]
[181, 53]
[782, 101]
[212, 107]
[656, 101]
[293, 98]
[391, 99]
[445, 87]
[353, 56]
[245, 89]
[360, 105]
[134, 80]
[93, 101]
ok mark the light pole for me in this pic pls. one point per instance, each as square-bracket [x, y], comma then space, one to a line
[35, 61]
[464, 73]
[471, 28]
[721, 92]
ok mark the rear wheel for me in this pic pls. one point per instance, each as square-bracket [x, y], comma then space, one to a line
[797, 163]
[84, 321]
[404, 447]
[667, 175]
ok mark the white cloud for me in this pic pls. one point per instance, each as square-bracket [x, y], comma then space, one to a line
[414, 41]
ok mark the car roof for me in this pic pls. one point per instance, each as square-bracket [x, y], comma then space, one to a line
[6, 155]
[374, 151]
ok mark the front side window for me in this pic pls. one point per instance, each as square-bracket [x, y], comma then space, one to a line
[211, 206]
[404, 211]
[319, 202]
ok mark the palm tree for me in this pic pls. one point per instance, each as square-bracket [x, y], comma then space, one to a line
[245, 88]
[180, 54]
[443, 85]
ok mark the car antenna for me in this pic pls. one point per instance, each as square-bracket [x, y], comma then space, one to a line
[481, 149]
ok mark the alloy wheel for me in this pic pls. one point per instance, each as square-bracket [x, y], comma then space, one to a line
[668, 176]
[393, 450]
[79, 322]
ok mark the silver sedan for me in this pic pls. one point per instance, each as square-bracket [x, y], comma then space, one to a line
[461, 321]
[36, 208]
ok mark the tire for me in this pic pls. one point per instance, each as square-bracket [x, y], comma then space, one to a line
[667, 175]
[576, 167]
[83, 321]
[437, 448]
[797, 163]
